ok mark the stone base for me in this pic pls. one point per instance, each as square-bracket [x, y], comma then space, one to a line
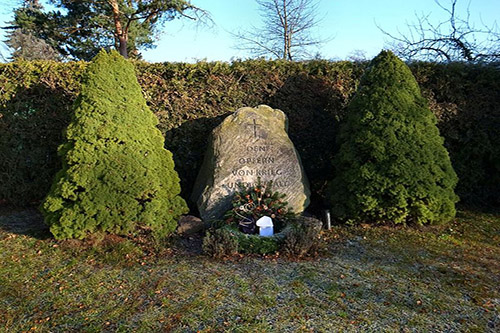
[189, 225]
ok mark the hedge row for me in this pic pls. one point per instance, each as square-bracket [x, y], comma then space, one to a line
[191, 99]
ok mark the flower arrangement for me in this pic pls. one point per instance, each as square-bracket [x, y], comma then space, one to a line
[252, 202]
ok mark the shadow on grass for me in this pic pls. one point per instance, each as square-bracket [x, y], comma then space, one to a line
[24, 221]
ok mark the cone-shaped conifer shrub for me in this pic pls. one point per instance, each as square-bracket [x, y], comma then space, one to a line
[392, 165]
[116, 176]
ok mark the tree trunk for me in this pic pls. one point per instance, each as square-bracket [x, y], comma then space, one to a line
[120, 33]
[285, 29]
[122, 47]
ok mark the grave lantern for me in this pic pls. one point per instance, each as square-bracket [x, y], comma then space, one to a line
[265, 224]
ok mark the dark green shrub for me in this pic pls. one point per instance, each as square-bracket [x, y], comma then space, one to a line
[220, 242]
[392, 165]
[302, 237]
[116, 176]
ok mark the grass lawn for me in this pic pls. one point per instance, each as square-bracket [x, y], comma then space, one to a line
[365, 279]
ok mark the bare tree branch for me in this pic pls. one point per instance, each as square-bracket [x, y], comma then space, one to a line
[286, 31]
[3, 58]
[455, 39]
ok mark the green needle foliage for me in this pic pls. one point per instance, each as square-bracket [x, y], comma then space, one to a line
[392, 165]
[116, 175]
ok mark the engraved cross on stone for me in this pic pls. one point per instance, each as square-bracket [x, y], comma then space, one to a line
[254, 128]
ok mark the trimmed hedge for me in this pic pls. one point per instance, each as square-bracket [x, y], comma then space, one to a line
[191, 99]
[35, 107]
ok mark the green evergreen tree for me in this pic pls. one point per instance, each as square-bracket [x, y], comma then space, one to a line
[392, 165]
[30, 34]
[78, 29]
[116, 175]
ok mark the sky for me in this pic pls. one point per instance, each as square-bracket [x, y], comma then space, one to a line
[350, 26]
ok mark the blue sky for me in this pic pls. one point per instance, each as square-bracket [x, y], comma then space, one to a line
[351, 23]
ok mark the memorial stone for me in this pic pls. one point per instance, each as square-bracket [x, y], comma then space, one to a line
[251, 143]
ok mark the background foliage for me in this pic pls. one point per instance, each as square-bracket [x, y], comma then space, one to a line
[77, 30]
[191, 99]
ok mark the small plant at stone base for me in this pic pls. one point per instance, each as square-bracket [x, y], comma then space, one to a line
[219, 243]
[302, 237]
[297, 236]
[252, 202]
